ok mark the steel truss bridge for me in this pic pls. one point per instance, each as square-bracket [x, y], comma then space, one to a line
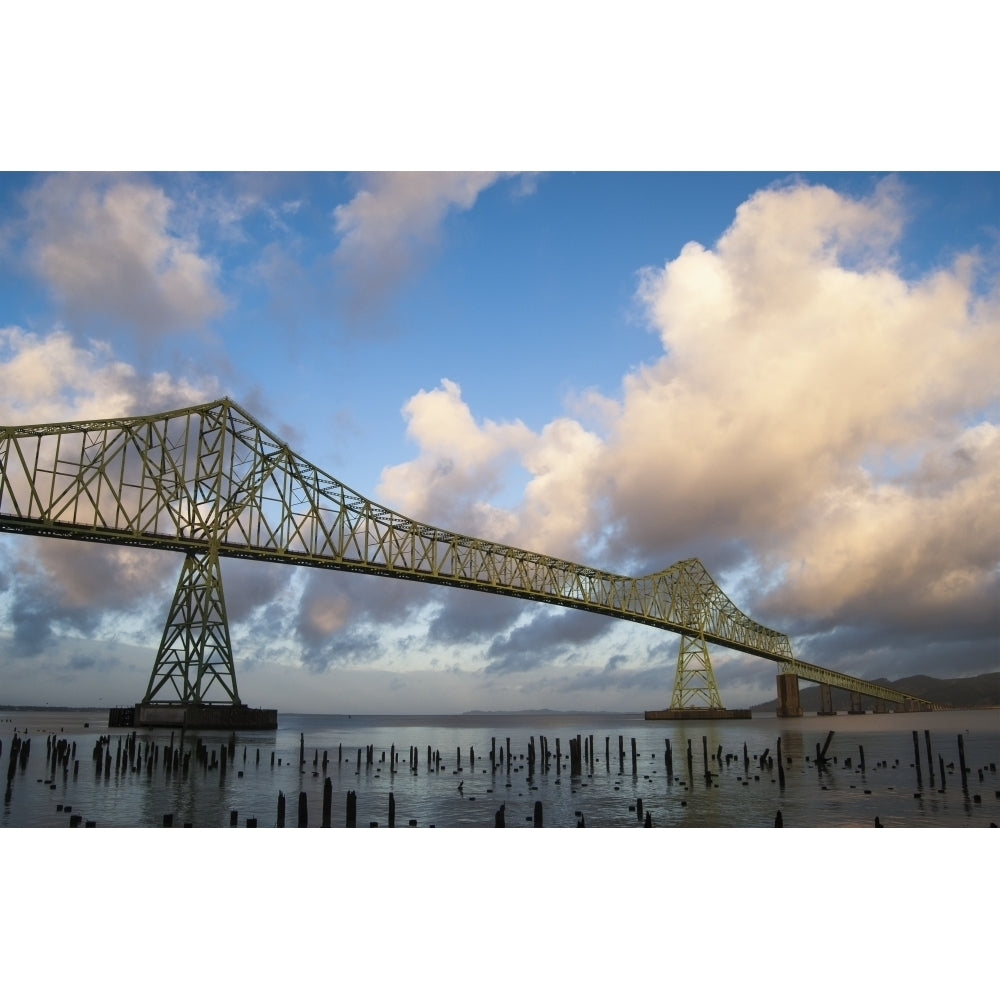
[209, 481]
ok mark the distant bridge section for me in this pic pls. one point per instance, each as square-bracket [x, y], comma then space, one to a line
[789, 674]
[210, 481]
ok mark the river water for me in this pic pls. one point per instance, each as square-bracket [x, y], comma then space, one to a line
[722, 901]
[740, 787]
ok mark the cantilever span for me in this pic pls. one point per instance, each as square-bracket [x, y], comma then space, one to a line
[210, 481]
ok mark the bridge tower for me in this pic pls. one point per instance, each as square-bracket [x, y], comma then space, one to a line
[193, 681]
[695, 694]
[194, 662]
[694, 682]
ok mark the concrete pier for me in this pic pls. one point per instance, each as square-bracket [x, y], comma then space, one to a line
[789, 706]
[696, 714]
[166, 716]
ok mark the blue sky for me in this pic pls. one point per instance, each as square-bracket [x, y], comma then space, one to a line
[791, 377]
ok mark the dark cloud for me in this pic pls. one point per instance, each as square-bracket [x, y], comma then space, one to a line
[543, 639]
[465, 616]
[31, 618]
[251, 586]
[80, 661]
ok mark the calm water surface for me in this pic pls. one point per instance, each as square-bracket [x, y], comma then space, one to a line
[605, 795]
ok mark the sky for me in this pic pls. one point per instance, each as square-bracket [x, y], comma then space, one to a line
[792, 377]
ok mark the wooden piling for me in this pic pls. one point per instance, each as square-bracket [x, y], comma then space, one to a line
[233, 814]
[634, 763]
[961, 761]
[499, 819]
[930, 758]
[392, 810]
[281, 811]
[352, 809]
[538, 815]
[327, 803]
[916, 757]
[941, 766]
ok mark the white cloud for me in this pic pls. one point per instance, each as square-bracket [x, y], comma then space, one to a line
[109, 248]
[393, 220]
[49, 377]
[459, 462]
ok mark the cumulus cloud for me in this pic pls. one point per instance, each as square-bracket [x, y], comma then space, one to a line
[108, 248]
[819, 428]
[390, 223]
[815, 406]
[50, 377]
[463, 465]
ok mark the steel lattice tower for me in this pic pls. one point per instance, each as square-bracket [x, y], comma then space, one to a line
[195, 659]
[694, 682]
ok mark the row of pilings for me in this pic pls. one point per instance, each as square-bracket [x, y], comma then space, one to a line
[132, 754]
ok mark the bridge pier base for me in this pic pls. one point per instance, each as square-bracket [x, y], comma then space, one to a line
[695, 714]
[173, 716]
[855, 708]
[789, 706]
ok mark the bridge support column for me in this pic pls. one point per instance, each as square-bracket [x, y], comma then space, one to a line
[194, 664]
[789, 706]
[825, 700]
[855, 708]
[694, 682]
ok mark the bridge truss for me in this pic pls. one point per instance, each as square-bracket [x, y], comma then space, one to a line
[209, 481]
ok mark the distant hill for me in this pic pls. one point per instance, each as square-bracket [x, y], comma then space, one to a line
[953, 692]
